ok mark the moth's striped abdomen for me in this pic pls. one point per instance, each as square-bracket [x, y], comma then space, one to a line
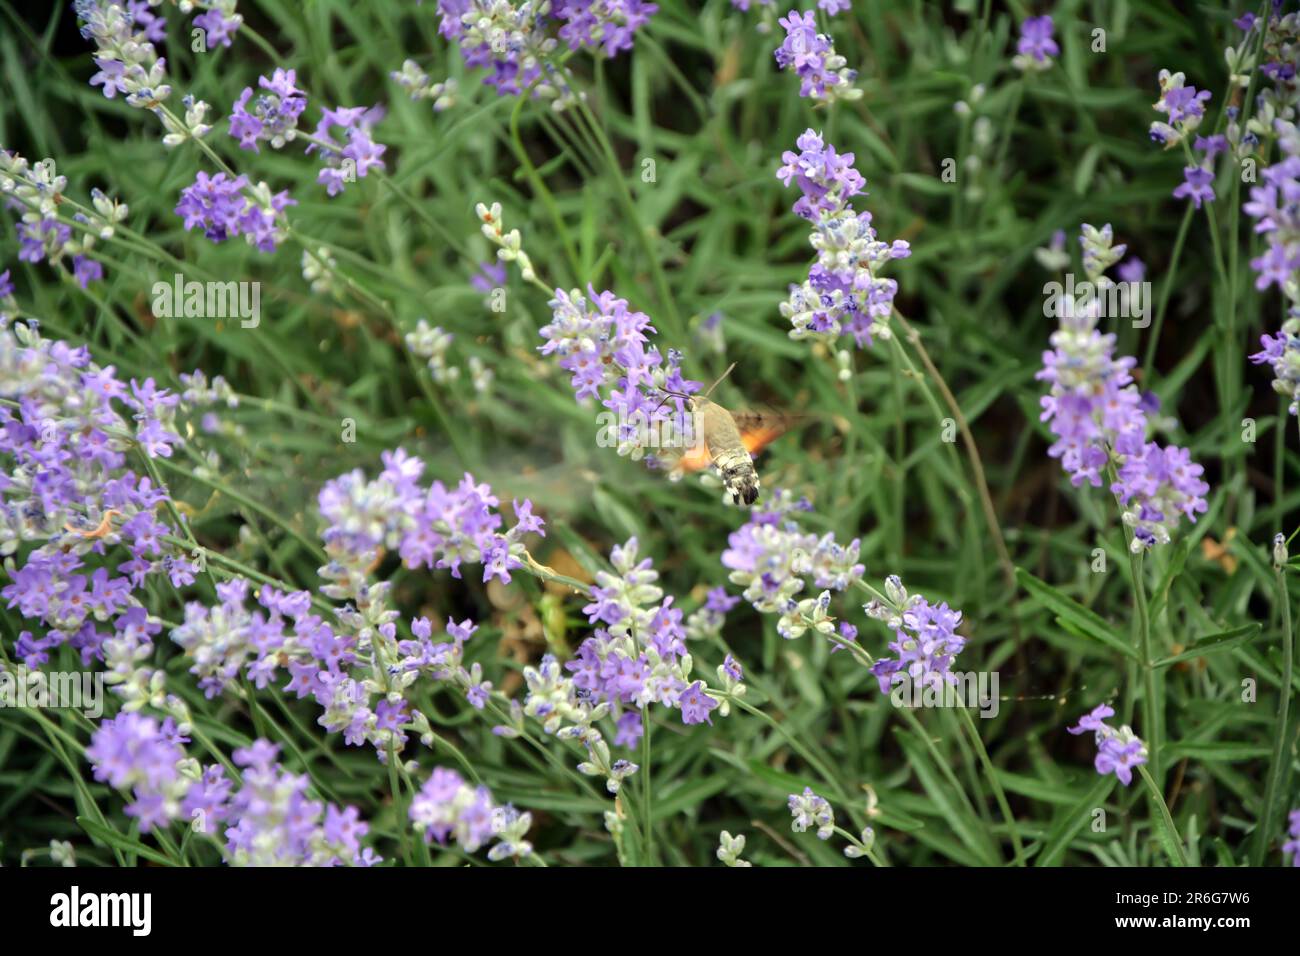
[728, 452]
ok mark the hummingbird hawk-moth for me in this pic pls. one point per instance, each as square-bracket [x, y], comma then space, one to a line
[727, 440]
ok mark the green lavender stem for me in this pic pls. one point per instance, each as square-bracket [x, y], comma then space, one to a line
[1264, 829]
[1142, 629]
[1176, 854]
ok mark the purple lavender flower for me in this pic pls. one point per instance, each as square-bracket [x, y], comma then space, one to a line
[491, 275]
[86, 270]
[219, 22]
[731, 667]
[925, 639]
[429, 527]
[1132, 269]
[629, 730]
[1275, 207]
[214, 203]
[1118, 751]
[274, 822]
[1211, 146]
[1292, 846]
[604, 347]
[1120, 755]
[1036, 46]
[1093, 720]
[608, 25]
[83, 529]
[1282, 352]
[43, 239]
[128, 63]
[510, 41]
[154, 26]
[228, 639]
[707, 620]
[274, 115]
[696, 704]
[844, 292]
[1197, 185]
[135, 751]
[354, 153]
[810, 55]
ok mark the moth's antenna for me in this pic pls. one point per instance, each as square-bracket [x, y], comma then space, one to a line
[720, 378]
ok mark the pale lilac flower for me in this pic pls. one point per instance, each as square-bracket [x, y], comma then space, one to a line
[637, 654]
[510, 40]
[123, 35]
[84, 532]
[1282, 352]
[810, 810]
[773, 559]
[629, 730]
[1119, 755]
[448, 809]
[708, 619]
[225, 208]
[86, 270]
[1184, 107]
[1275, 207]
[1132, 269]
[137, 752]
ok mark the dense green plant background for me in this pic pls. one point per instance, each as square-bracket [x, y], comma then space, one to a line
[701, 96]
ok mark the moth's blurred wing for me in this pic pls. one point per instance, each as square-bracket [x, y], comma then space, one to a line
[760, 427]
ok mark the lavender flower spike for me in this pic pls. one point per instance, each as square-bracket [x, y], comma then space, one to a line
[844, 292]
[1099, 417]
[1275, 207]
[823, 74]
